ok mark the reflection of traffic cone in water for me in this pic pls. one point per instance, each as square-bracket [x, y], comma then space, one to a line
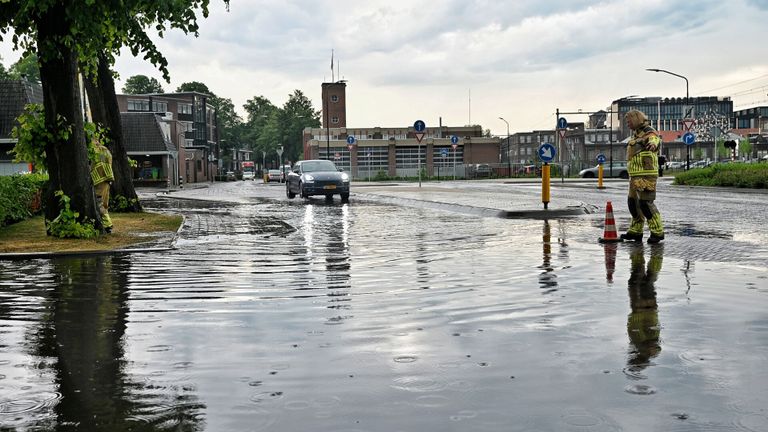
[609, 233]
[610, 261]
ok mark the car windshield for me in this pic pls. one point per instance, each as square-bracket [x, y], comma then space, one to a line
[321, 165]
[274, 171]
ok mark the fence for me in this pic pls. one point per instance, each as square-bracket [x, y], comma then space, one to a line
[474, 171]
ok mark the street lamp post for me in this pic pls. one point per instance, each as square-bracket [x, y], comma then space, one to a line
[688, 148]
[509, 155]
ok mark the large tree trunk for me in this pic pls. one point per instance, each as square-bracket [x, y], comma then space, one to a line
[104, 108]
[67, 158]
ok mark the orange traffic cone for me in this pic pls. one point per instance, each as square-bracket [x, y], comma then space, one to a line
[609, 233]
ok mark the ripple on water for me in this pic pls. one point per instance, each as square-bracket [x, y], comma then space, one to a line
[635, 372]
[417, 384]
[431, 401]
[463, 415]
[752, 423]
[589, 421]
[405, 359]
[39, 402]
[640, 389]
[266, 397]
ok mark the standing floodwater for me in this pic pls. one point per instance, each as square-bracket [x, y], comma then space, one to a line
[308, 315]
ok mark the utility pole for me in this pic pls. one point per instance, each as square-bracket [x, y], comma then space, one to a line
[509, 152]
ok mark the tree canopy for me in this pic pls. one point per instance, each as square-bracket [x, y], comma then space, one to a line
[142, 84]
[71, 36]
[26, 67]
[194, 86]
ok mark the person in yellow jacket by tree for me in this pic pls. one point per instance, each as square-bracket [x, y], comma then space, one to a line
[643, 167]
[102, 176]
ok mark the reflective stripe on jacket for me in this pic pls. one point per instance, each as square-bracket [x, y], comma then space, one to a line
[102, 170]
[640, 161]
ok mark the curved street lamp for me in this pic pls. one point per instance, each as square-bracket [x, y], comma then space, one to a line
[685, 115]
[674, 74]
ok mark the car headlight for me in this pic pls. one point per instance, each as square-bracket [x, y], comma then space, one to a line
[344, 177]
[308, 178]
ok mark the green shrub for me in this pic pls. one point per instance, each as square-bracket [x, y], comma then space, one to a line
[120, 204]
[20, 196]
[754, 176]
[65, 225]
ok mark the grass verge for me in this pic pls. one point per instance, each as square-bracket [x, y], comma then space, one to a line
[129, 229]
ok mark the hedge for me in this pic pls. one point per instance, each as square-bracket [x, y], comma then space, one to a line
[754, 175]
[20, 196]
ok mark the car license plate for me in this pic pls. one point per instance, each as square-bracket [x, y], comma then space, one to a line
[329, 187]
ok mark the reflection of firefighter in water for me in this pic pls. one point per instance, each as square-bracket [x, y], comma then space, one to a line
[102, 176]
[643, 323]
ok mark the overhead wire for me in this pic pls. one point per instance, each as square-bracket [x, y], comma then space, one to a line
[734, 84]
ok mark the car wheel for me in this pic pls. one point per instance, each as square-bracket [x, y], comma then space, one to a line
[589, 175]
[301, 191]
[624, 175]
[288, 192]
[345, 197]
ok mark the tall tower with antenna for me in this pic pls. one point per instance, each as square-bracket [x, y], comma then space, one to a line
[334, 97]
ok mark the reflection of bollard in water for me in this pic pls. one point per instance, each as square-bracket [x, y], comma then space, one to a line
[181, 182]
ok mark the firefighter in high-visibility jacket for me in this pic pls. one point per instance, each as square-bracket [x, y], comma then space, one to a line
[102, 176]
[643, 168]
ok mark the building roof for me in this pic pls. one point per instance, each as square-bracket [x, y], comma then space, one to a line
[14, 95]
[143, 134]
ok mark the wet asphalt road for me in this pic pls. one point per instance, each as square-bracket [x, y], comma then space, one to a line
[407, 309]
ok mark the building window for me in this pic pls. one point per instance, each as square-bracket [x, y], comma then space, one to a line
[185, 108]
[408, 157]
[138, 105]
[159, 107]
[444, 157]
[334, 120]
[334, 98]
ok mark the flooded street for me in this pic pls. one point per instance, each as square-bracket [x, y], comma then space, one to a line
[295, 315]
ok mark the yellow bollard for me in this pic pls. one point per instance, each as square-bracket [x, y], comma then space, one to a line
[600, 176]
[545, 185]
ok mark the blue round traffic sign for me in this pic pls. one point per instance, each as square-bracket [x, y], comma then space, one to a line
[351, 140]
[454, 139]
[562, 123]
[689, 138]
[601, 158]
[419, 125]
[547, 152]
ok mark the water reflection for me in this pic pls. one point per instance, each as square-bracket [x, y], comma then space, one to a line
[326, 255]
[338, 262]
[547, 278]
[643, 326]
[83, 335]
[609, 249]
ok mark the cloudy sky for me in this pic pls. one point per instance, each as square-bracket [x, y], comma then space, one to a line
[471, 61]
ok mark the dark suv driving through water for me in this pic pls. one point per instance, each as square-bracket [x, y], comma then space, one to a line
[317, 177]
